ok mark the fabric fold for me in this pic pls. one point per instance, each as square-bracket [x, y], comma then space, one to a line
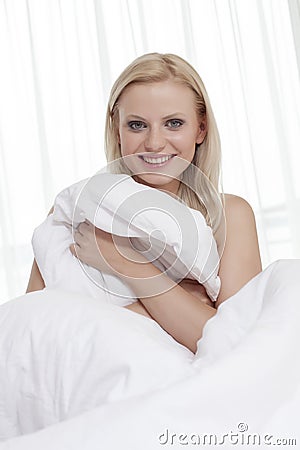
[174, 237]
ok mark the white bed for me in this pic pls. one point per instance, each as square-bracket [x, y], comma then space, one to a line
[81, 374]
[78, 371]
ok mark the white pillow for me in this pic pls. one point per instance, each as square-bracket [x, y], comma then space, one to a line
[182, 245]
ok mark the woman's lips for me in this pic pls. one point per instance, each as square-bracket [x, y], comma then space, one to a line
[156, 161]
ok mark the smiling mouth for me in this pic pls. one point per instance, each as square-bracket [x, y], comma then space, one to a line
[156, 161]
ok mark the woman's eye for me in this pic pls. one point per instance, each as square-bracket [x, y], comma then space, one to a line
[136, 126]
[174, 123]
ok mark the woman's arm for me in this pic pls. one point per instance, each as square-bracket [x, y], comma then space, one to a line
[180, 313]
[36, 282]
[185, 318]
[191, 286]
[139, 308]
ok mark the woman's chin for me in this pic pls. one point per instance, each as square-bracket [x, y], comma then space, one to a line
[159, 181]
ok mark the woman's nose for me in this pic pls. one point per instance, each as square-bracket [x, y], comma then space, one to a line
[155, 140]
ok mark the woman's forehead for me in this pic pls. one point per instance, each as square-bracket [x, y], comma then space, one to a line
[164, 95]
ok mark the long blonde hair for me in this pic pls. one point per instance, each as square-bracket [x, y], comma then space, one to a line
[199, 189]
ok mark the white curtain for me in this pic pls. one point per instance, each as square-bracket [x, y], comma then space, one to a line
[59, 59]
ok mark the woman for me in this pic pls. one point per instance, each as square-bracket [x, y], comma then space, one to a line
[159, 118]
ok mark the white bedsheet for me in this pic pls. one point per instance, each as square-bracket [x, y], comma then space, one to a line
[246, 372]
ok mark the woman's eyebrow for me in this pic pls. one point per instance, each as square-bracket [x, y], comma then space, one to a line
[135, 116]
[169, 116]
[175, 114]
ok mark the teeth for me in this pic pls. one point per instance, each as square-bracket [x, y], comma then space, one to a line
[156, 160]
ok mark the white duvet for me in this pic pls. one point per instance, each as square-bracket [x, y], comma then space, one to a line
[80, 374]
[78, 371]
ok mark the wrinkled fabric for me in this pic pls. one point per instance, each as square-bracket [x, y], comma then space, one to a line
[173, 236]
[244, 379]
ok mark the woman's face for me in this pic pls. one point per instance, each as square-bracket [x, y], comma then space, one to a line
[158, 130]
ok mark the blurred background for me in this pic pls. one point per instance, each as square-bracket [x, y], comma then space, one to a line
[59, 59]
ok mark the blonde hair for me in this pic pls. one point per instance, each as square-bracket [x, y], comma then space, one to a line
[199, 189]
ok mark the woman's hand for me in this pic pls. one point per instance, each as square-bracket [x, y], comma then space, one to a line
[197, 290]
[102, 250]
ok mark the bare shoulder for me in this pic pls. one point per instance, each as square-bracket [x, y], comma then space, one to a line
[235, 205]
[240, 219]
[240, 260]
[239, 214]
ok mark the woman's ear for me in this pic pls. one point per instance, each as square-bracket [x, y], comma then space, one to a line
[202, 131]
